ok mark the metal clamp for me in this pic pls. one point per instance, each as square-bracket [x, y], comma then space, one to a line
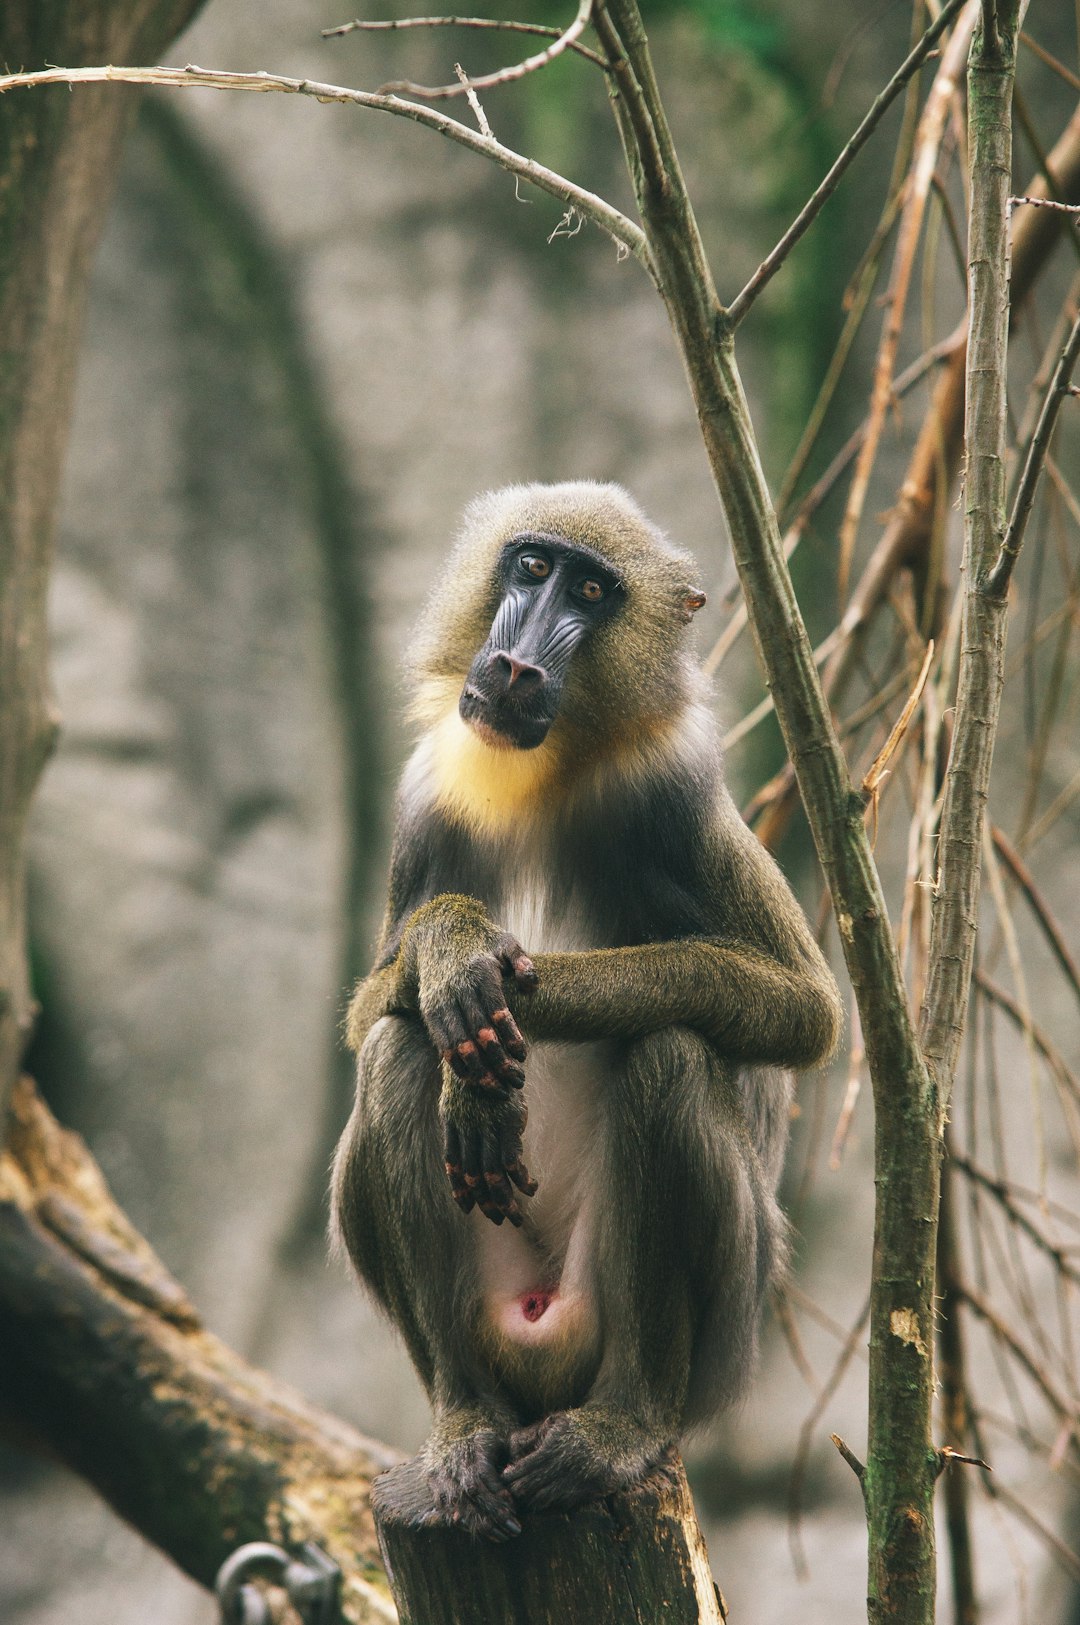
[312, 1582]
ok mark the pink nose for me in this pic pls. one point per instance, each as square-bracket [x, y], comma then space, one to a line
[518, 671]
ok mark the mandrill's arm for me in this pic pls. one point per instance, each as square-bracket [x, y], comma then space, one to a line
[469, 980]
[750, 1006]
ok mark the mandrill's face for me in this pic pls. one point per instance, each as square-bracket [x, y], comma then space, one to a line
[555, 593]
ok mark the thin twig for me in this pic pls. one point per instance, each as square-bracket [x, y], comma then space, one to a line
[874, 774]
[1050, 928]
[503, 76]
[947, 1455]
[766, 706]
[999, 1189]
[856, 1062]
[806, 1435]
[594, 208]
[931, 132]
[997, 582]
[474, 103]
[1068, 1085]
[1047, 203]
[1060, 1403]
[1057, 1548]
[503, 25]
[1052, 62]
[782, 1310]
[849, 1456]
[773, 261]
[1060, 804]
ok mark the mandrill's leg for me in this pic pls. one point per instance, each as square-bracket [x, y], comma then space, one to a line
[394, 1212]
[688, 1237]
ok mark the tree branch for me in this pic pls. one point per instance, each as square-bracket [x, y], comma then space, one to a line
[105, 1361]
[624, 232]
[982, 661]
[504, 76]
[997, 583]
[59, 162]
[500, 24]
[880, 106]
[901, 1464]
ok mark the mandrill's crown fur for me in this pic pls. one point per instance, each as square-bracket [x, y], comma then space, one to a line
[637, 657]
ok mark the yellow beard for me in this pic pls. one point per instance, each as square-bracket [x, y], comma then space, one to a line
[488, 788]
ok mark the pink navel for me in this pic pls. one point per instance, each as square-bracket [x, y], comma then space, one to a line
[536, 1303]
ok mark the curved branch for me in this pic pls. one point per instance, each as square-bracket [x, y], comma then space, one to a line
[500, 24]
[564, 41]
[107, 1364]
[624, 232]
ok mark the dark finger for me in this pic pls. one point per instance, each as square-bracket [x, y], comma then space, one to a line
[518, 1172]
[447, 1034]
[507, 1071]
[474, 1005]
[498, 1185]
[518, 963]
[455, 1171]
[515, 1169]
[510, 1033]
[473, 1170]
[478, 1005]
[522, 1441]
[481, 1049]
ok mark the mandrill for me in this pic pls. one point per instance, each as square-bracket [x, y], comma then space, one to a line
[573, 1089]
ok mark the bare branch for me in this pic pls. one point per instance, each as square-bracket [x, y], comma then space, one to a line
[594, 208]
[997, 582]
[932, 126]
[474, 103]
[773, 261]
[1051, 62]
[1060, 1402]
[999, 1190]
[1047, 203]
[1050, 928]
[843, 1359]
[147, 1404]
[502, 25]
[874, 774]
[503, 76]
[982, 663]
[849, 1456]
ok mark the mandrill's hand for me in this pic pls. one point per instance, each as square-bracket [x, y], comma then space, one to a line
[459, 961]
[482, 1130]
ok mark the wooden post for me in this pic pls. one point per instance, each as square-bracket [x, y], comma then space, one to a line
[630, 1559]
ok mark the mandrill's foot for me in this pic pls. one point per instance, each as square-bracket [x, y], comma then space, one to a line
[467, 1487]
[456, 1480]
[576, 1456]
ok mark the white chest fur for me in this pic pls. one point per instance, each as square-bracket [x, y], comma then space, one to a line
[565, 1089]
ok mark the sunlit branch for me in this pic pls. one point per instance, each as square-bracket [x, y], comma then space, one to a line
[503, 76]
[616, 225]
[502, 25]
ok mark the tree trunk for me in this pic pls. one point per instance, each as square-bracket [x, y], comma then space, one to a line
[58, 156]
[631, 1559]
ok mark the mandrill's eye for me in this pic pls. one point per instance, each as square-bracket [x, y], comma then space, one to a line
[536, 565]
[591, 590]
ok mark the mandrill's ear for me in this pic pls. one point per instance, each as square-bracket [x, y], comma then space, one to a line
[690, 601]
